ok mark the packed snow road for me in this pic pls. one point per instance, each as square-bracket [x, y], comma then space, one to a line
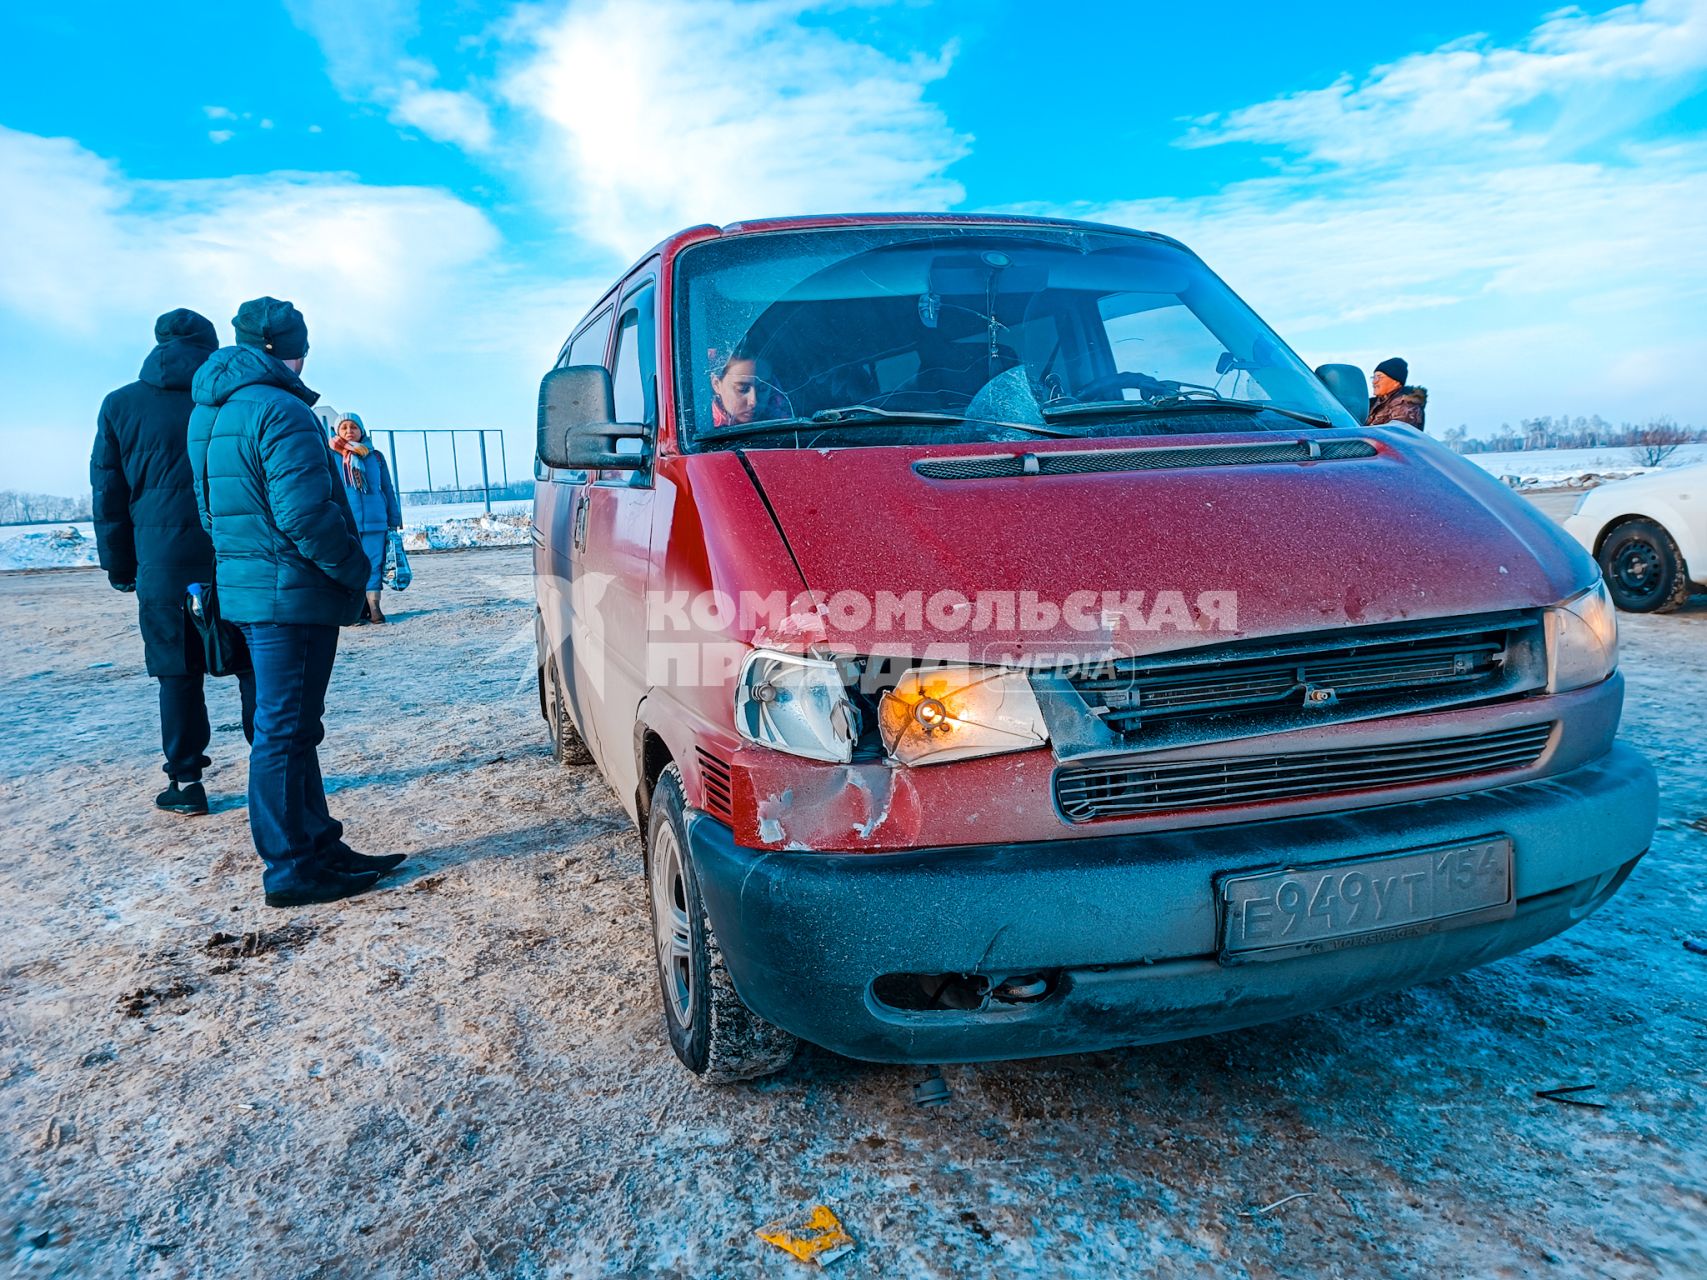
[466, 1075]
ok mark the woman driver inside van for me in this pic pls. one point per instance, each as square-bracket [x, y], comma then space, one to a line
[741, 388]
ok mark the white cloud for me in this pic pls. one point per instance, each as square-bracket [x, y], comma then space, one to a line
[662, 113]
[219, 113]
[1593, 74]
[1511, 290]
[444, 116]
[410, 307]
[81, 244]
[1328, 253]
[653, 114]
[366, 48]
[1452, 212]
[217, 136]
[364, 43]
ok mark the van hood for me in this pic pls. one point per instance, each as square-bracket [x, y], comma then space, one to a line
[1412, 532]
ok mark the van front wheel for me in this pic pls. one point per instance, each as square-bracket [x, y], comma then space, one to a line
[716, 1036]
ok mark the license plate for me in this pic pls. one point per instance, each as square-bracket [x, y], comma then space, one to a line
[1272, 914]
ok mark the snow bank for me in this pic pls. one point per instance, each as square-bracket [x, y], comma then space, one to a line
[45, 546]
[454, 535]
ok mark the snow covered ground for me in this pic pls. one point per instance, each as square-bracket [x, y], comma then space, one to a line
[1576, 468]
[465, 1074]
[416, 514]
[439, 526]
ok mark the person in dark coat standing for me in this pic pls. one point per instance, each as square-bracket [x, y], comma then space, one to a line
[151, 541]
[373, 500]
[1393, 401]
[291, 572]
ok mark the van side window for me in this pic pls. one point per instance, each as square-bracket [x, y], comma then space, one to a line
[626, 387]
[587, 347]
[634, 376]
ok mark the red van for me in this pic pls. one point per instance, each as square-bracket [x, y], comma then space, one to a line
[1008, 647]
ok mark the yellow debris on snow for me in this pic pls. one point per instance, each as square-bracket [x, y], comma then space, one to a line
[818, 1238]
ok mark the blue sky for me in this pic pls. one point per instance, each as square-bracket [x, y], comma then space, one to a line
[1514, 196]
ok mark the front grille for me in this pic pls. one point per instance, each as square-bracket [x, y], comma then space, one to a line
[1078, 462]
[1122, 790]
[1448, 663]
[714, 779]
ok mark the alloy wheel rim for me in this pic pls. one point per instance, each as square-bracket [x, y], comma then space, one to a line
[670, 925]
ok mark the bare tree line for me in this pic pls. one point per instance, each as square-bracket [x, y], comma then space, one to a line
[41, 508]
[1650, 443]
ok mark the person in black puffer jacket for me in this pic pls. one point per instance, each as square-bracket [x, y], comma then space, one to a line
[291, 572]
[151, 541]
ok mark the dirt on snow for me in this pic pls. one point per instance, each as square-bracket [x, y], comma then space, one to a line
[465, 1074]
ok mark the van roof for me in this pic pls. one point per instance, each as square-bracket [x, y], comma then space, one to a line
[816, 221]
[810, 221]
[669, 246]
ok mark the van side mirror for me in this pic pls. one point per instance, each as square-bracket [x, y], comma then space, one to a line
[576, 431]
[1346, 383]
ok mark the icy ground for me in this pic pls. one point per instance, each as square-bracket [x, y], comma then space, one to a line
[465, 1075]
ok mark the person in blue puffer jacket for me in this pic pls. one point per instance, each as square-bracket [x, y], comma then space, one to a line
[373, 501]
[290, 570]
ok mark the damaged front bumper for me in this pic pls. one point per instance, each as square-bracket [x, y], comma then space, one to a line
[1126, 928]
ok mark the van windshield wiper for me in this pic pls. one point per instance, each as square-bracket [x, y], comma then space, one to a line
[865, 415]
[1177, 404]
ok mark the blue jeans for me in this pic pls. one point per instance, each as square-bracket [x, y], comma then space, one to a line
[287, 799]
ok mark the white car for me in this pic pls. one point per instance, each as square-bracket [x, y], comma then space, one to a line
[1649, 534]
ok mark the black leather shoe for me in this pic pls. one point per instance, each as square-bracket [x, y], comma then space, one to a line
[318, 885]
[344, 858]
[190, 798]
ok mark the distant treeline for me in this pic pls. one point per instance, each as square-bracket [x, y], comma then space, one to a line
[1575, 433]
[41, 508]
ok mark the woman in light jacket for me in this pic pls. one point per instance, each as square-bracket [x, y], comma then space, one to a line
[373, 501]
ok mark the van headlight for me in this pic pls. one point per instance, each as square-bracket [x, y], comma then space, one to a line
[795, 704]
[1582, 640]
[938, 714]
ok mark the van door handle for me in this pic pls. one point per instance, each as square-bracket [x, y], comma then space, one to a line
[580, 535]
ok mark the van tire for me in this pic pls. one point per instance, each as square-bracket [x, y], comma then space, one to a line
[1643, 568]
[714, 1034]
[568, 748]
